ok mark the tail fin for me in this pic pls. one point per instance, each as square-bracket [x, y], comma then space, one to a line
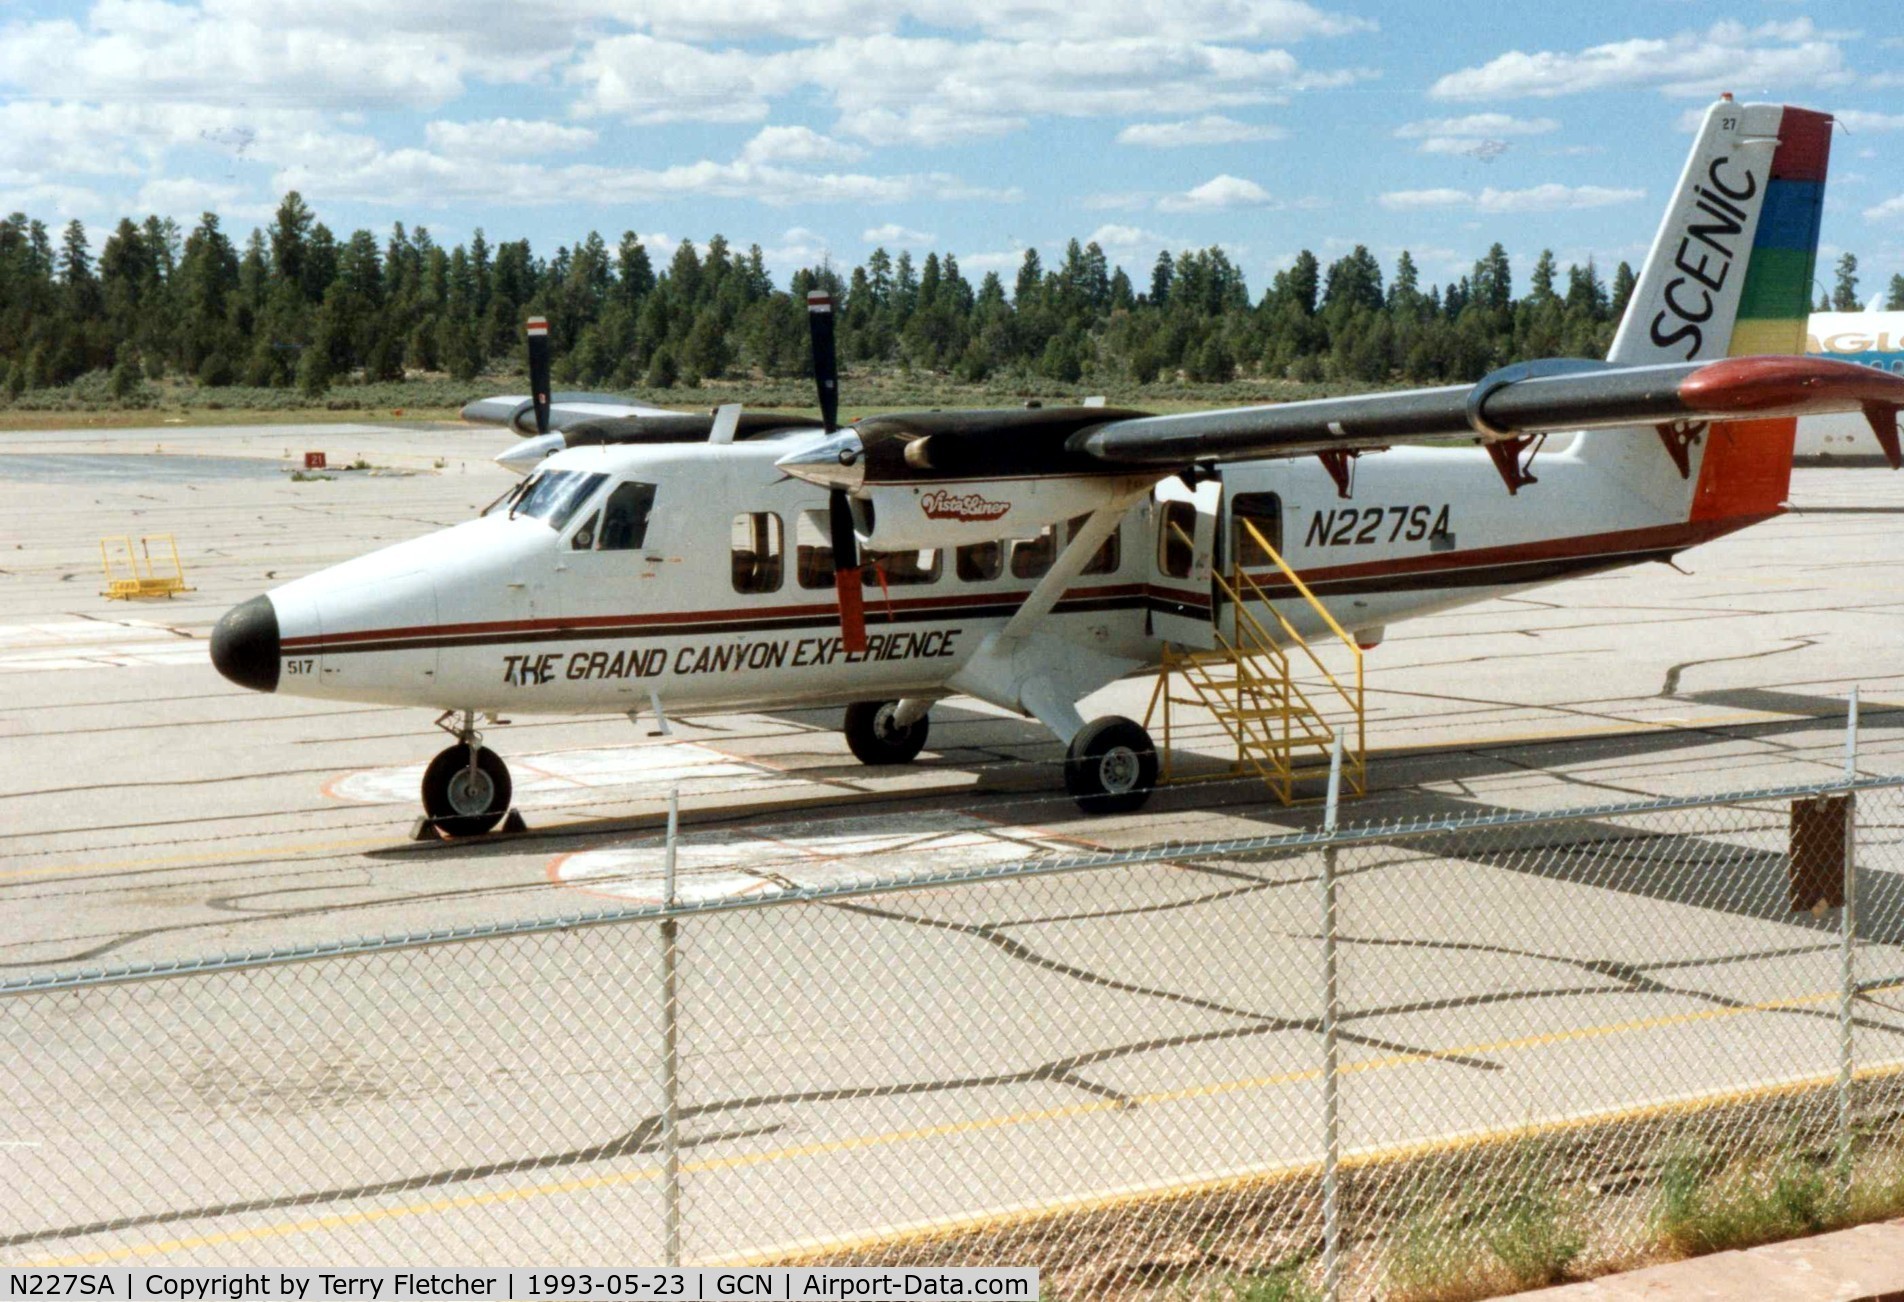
[1730, 271]
[1729, 275]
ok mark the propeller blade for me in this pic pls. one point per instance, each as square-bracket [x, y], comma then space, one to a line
[846, 577]
[539, 371]
[826, 366]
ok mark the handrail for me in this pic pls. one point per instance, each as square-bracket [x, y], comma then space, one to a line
[1261, 742]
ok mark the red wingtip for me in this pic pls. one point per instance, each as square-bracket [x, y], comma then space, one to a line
[1787, 386]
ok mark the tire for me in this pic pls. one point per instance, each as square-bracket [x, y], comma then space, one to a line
[874, 739]
[1111, 767]
[454, 805]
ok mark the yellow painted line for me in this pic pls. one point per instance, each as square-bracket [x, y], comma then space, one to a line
[1276, 1173]
[854, 1143]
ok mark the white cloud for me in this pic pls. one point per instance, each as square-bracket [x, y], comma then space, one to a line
[646, 80]
[1860, 120]
[1726, 55]
[894, 233]
[1211, 129]
[1418, 200]
[1112, 238]
[1485, 136]
[345, 55]
[973, 266]
[186, 199]
[798, 145]
[1893, 207]
[917, 90]
[1476, 126]
[1028, 20]
[507, 138]
[1551, 197]
[798, 247]
[1224, 191]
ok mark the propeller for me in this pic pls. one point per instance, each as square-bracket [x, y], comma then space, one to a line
[539, 371]
[847, 584]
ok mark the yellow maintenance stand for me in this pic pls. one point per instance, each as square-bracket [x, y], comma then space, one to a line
[1264, 684]
[137, 573]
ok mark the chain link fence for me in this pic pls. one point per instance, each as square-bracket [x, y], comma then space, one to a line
[1421, 1061]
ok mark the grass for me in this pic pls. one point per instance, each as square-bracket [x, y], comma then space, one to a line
[89, 402]
[1517, 1229]
[1710, 1206]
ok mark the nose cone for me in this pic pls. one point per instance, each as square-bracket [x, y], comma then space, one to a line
[245, 645]
[531, 452]
[834, 462]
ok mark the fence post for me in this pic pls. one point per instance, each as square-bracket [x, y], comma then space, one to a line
[1847, 949]
[1331, 1079]
[670, 1064]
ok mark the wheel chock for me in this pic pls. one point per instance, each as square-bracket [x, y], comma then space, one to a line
[513, 822]
[424, 829]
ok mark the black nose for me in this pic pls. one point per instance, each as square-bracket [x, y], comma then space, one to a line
[245, 645]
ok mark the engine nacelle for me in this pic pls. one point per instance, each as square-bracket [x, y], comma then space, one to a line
[908, 516]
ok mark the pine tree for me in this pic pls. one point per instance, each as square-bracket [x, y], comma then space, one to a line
[1844, 291]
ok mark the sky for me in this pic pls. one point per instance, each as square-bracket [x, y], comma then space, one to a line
[824, 128]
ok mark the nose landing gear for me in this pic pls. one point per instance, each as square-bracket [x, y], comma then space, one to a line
[466, 788]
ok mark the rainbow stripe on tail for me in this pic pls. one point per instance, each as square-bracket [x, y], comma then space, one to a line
[1730, 270]
[1775, 301]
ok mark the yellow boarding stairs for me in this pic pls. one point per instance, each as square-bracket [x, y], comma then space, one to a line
[137, 573]
[1284, 729]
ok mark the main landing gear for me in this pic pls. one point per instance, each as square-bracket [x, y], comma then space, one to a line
[466, 789]
[1111, 767]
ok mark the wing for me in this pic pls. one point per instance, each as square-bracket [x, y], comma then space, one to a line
[565, 409]
[1533, 398]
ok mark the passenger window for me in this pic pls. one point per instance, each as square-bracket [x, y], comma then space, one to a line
[1105, 559]
[625, 518]
[980, 562]
[812, 550]
[585, 536]
[1176, 539]
[759, 552]
[1031, 557]
[1263, 512]
[900, 568]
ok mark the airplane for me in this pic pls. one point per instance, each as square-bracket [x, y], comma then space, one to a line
[1871, 338]
[1029, 557]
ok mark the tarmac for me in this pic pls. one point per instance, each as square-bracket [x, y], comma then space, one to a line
[151, 811]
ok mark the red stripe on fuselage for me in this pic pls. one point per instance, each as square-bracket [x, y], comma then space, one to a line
[1414, 571]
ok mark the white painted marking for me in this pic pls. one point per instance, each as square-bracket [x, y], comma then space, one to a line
[577, 776]
[719, 864]
[93, 644]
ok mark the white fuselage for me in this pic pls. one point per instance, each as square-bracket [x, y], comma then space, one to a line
[509, 614]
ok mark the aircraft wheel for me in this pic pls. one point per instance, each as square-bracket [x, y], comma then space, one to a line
[1111, 767]
[461, 803]
[875, 738]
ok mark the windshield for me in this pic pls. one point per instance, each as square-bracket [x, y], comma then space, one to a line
[555, 495]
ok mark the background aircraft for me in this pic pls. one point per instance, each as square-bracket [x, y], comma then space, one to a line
[1874, 338]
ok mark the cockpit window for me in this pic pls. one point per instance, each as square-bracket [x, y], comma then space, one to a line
[555, 495]
[625, 518]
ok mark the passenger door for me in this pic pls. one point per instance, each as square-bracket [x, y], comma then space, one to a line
[1183, 560]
